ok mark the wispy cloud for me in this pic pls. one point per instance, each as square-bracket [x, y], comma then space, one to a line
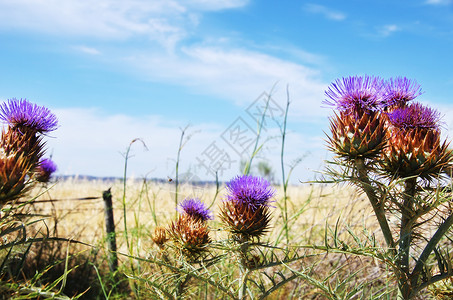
[165, 21]
[216, 4]
[87, 50]
[439, 2]
[235, 74]
[324, 11]
[387, 30]
[209, 67]
[87, 135]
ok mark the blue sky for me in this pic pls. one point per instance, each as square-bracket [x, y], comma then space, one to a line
[117, 70]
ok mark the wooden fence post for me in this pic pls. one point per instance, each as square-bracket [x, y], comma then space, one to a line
[110, 228]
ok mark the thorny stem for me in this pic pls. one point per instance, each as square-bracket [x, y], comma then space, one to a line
[181, 286]
[243, 288]
[443, 228]
[375, 203]
[407, 221]
[244, 268]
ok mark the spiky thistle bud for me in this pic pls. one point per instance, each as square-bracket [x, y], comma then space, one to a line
[245, 211]
[190, 235]
[159, 236]
[45, 169]
[357, 130]
[14, 170]
[414, 147]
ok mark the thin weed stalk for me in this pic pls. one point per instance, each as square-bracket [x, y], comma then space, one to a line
[260, 125]
[282, 162]
[182, 143]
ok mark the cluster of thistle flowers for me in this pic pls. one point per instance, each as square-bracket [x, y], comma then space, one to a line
[244, 212]
[376, 119]
[22, 147]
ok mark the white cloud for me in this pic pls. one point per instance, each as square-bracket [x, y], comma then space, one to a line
[232, 73]
[164, 21]
[216, 4]
[438, 2]
[88, 142]
[236, 74]
[88, 50]
[324, 11]
[387, 30]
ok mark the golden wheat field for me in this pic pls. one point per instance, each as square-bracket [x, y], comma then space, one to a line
[149, 204]
[74, 209]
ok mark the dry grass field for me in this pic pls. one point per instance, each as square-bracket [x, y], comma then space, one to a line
[74, 209]
[149, 204]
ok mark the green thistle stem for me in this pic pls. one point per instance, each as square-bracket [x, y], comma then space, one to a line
[375, 203]
[407, 221]
[243, 288]
[415, 276]
[244, 269]
[284, 180]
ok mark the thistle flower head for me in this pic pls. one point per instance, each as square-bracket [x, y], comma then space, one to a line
[414, 147]
[45, 169]
[355, 94]
[400, 90]
[23, 114]
[245, 211]
[414, 116]
[250, 191]
[196, 209]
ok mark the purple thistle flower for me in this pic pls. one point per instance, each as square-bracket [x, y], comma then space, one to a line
[249, 190]
[195, 208]
[415, 116]
[355, 93]
[48, 165]
[400, 90]
[21, 113]
[46, 168]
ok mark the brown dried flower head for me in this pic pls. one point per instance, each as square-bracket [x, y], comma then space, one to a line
[159, 236]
